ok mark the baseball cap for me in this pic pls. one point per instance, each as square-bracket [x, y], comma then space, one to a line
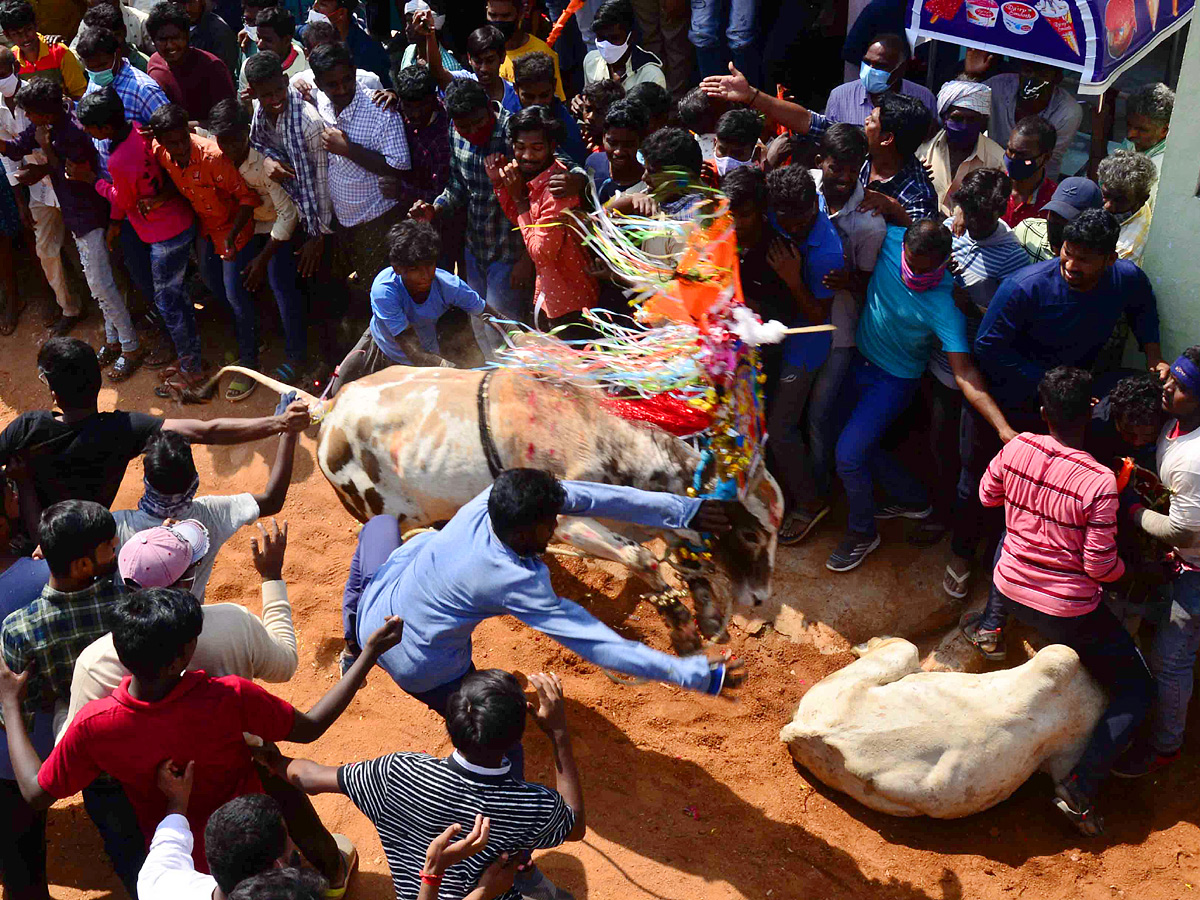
[1073, 196]
[158, 557]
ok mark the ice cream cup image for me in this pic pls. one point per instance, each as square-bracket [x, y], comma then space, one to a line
[984, 13]
[1019, 18]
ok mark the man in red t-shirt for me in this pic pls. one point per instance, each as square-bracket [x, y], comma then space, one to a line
[158, 713]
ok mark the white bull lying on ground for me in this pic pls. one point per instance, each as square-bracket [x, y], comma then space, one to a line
[942, 744]
[418, 443]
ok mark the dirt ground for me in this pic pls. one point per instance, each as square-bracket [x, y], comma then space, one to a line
[688, 797]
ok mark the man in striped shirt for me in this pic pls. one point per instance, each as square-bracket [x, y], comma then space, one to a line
[1060, 509]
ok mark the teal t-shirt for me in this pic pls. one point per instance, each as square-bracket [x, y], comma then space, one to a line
[898, 326]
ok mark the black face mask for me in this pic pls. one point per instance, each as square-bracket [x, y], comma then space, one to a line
[508, 29]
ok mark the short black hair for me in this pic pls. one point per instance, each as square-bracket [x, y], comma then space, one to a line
[97, 109]
[698, 111]
[844, 143]
[891, 41]
[102, 15]
[984, 190]
[263, 66]
[672, 148]
[244, 838]
[906, 119]
[627, 114]
[317, 34]
[97, 39]
[168, 462]
[167, 13]
[1095, 229]
[532, 68]
[1137, 400]
[41, 95]
[278, 19]
[928, 236]
[151, 627]
[535, 118]
[1065, 393]
[168, 117]
[603, 93]
[745, 184]
[328, 57]
[413, 243]
[521, 498]
[485, 38]
[281, 884]
[791, 188]
[16, 14]
[614, 12]
[415, 83]
[465, 96]
[228, 118]
[486, 715]
[1037, 127]
[71, 530]
[653, 98]
[740, 126]
[71, 367]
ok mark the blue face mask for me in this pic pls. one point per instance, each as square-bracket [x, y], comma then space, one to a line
[874, 80]
[1020, 169]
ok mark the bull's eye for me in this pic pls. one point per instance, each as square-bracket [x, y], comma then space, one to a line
[749, 536]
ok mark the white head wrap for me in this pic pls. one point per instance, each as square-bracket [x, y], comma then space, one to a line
[965, 94]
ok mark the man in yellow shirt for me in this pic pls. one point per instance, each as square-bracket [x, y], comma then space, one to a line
[506, 15]
[34, 55]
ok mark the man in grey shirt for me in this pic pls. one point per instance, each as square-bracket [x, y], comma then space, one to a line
[1035, 90]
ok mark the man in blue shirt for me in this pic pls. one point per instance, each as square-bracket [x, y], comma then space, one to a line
[909, 310]
[368, 53]
[1057, 312]
[533, 77]
[803, 250]
[419, 313]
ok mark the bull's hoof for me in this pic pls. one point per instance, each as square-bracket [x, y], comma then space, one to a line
[685, 639]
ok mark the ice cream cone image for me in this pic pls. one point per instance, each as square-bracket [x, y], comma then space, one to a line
[1058, 14]
[1152, 8]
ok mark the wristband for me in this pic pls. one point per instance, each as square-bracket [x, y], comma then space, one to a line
[755, 97]
[1135, 509]
[431, 880]
[716, 680]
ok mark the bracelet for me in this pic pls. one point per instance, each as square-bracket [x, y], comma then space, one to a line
[755, 97]
[431, 880]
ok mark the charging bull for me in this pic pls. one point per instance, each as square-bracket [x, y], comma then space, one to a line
[418, 443]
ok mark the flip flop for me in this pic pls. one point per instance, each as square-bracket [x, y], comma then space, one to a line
[959, 582]
[349, 863]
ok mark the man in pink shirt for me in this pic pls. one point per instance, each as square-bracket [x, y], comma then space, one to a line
[1060, 510]
[563, 287]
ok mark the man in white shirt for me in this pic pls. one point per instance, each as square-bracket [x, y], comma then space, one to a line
[1173, 656]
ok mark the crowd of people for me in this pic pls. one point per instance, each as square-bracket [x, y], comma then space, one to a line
[397, 201]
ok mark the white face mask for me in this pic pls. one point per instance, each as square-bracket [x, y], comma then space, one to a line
[612, 52]
[314, 16]
[728, 164]
[9, 85]
[438, 22]
[251, 31]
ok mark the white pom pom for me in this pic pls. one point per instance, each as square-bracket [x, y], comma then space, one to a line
[754, 331]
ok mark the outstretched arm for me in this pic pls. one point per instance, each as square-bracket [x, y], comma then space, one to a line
[653, 509]
[736, 88]
[974, 389]
[270, 501]
[240, 431]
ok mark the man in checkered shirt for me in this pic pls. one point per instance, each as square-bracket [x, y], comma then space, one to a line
[366, 143]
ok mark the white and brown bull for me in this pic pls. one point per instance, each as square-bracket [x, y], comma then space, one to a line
[418, 443]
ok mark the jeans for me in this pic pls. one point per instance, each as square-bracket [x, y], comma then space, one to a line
[107, 806]
[168, 263]
[737, 18]
[136, 254]
[492, 284]
[97, 269]
[945, 408]
[877, 399]
[789, 457]
[282, 276]
[825, 416]
[23, 850]
[1111, 657]
[1173, 658]
[224, 279]
[376, 541]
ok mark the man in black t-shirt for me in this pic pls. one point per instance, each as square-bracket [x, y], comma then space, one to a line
[81, 453]
[1126, 423]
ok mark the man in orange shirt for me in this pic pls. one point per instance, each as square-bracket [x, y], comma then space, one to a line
[225, 205]
[37, 57]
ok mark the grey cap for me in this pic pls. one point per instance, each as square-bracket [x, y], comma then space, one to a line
[1073, 196]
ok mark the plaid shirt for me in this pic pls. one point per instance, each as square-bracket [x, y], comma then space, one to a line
[356, 194]
[491, 237]
[51, 633]
[141, 95]
[911, 186]
[295, 138]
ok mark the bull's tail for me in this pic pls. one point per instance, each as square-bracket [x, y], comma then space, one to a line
[204, 394]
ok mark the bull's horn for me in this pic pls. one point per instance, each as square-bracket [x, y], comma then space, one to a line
[206, 392]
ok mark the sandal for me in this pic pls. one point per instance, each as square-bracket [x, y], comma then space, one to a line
[798, 523]
[9, 323]
[66, 324]
[349, 865]
[989, 642]
[108, 354]
[928, 533]
[1077, 809]
[287, 373]
[161, 353]
[127, 365]
[178, 384]
[240, 387]
[954, 584]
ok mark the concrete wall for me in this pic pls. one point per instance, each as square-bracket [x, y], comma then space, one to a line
[1172, 257]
